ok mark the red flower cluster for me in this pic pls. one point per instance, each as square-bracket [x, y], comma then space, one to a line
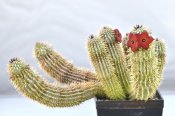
[118, 35]
[139, 40]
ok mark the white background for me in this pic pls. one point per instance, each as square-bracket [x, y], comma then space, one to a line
[66, 24]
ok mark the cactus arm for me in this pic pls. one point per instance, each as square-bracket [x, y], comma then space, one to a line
[104, 69]
[145, 77]
[30, 84]
[58, 67]
[160, 50]
[116, 52]
[146, 59]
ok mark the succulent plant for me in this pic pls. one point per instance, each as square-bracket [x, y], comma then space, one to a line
[128, 69]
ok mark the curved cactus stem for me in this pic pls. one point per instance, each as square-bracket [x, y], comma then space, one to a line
[117, 54]
[30, 84]
[145, 77]
[104, 69]
[58, 67]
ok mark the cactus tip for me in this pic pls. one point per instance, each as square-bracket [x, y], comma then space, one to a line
[91, 36]
[104, 27]
[16, 65]
[137, 27]
[13, 60]
[39, 45]
[42, 48]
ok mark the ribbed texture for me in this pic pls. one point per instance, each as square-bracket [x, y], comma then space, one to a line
[160, 50]
[117, 57]
[104, 69]
[58, 67]
[144, 74]
[30, 84]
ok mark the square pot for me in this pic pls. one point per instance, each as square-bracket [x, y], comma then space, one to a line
[130, 108]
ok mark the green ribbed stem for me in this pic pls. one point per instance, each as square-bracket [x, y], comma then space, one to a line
[117, 57]
[30, 84]
[104, 69]
[144, 73]
[58, 67]
[160, 54]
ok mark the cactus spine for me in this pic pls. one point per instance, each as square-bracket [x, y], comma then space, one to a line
[29, 83]
[104, 69]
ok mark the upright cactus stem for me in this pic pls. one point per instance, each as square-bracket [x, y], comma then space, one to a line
[160, 55]
[58, 67]
[104, 68]
[144, 73]
[146, 63]
[30, 84]
[112, 41]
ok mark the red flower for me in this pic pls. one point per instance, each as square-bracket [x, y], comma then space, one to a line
[144, 40]
[118, 35]
[136, 41]
[133, 42]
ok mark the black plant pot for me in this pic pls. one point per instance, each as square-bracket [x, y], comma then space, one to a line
[130, 108]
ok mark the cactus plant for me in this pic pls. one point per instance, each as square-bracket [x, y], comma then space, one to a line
[128, 69]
